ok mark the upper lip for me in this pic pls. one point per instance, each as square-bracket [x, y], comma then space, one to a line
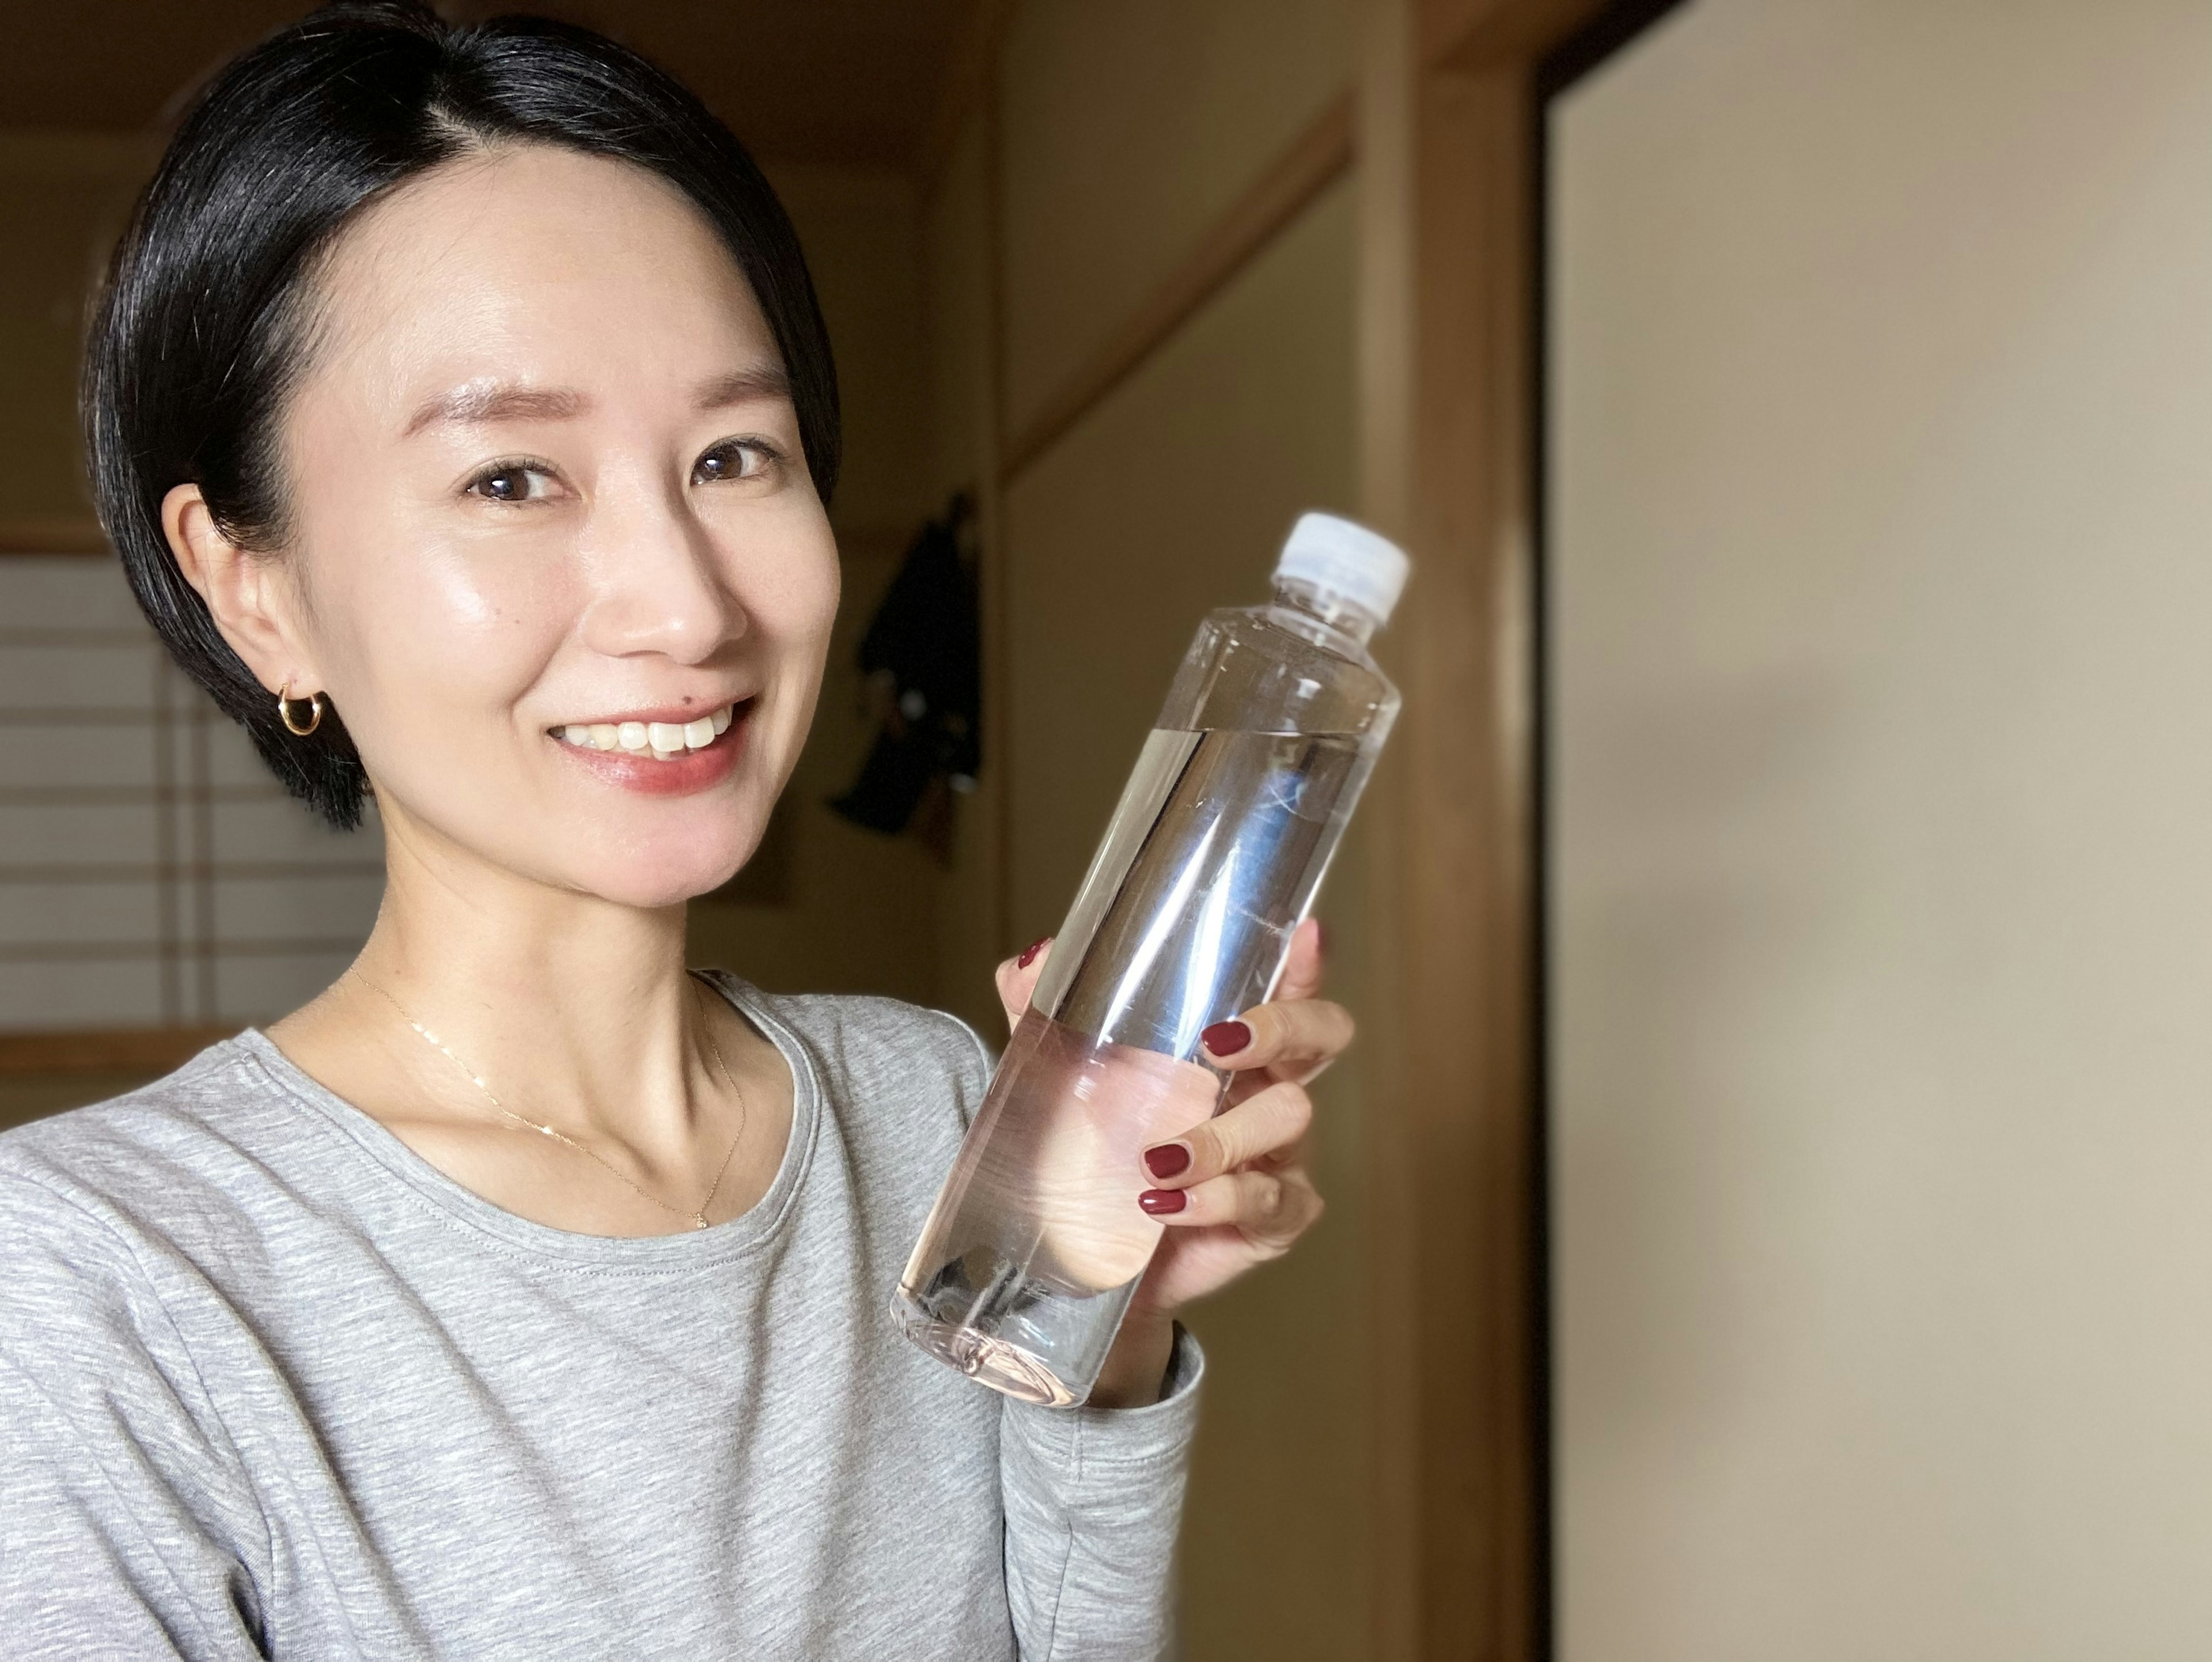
[669, 715]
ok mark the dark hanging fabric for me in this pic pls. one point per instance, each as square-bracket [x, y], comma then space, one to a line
[922, 656]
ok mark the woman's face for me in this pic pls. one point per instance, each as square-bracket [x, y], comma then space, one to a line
[547, 497]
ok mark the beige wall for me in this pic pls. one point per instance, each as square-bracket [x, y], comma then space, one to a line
[1884, 921]
[63, 199]
[972, 932]
[1129, 130]
[1124, 136]
[862, 231]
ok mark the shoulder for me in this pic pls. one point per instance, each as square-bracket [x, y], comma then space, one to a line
[154, 1162]
[84, 1199]
[115, 1434]
[879, 1061]
[870, 1046]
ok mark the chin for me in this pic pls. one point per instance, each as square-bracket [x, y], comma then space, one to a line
[679, 870]
[661, 856]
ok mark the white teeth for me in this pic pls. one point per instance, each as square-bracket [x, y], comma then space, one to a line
[663, 740]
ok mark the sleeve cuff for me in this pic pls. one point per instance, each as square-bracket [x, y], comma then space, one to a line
[1094, 1440]
[1094, 1501]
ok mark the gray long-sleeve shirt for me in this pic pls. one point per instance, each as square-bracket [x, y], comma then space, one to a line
[270, 1385]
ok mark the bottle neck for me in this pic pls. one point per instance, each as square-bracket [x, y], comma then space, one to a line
[1328, 608]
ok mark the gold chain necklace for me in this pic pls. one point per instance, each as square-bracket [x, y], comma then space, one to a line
[697, 1219]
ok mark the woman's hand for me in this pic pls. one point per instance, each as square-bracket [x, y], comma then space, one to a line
[1234, 1191]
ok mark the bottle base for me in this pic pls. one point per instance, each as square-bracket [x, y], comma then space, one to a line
[1005, 1367]
[988, 1315]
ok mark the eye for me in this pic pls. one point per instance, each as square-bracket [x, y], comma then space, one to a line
[514, 482]
[734, 459]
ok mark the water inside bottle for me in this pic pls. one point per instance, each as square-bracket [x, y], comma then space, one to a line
[1037, 1243]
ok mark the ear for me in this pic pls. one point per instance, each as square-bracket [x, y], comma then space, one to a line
[253, 602]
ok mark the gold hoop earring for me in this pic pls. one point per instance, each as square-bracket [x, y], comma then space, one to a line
[284, 712]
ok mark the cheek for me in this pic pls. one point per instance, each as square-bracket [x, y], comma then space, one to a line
[791, 612]
[404, 616]
[797, 612]
[431, 639]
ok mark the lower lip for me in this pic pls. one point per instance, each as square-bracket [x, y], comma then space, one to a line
[679, 775]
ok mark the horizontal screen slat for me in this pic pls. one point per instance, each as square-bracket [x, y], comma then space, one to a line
[152, 872]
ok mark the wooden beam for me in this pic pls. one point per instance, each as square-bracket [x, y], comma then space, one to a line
[993, 581]
[1464, 847]
[1385, 335]
[1448, 338]
[52, 534]
[115, 1050]
[1312, 163]
[1473, 35]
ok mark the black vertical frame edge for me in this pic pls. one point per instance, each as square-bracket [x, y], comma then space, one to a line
[1612, 28]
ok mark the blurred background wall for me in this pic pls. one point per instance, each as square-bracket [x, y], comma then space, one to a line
[1873, 506]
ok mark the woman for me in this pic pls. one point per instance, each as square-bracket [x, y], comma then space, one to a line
[460, 408]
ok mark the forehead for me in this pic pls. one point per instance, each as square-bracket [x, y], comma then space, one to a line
[534, 263]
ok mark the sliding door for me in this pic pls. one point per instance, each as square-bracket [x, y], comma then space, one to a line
[1878, 842]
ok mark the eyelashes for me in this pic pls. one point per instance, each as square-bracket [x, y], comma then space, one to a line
[515, 481]
[499, 481]
[754, 457]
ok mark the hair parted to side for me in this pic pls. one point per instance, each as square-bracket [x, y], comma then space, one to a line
[203, 328]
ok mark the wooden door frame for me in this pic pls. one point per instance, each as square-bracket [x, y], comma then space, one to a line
[1450, 98]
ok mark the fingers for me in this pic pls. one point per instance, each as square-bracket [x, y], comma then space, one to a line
[1270, 1208]
[1270, 1123]
[1240, 1168]
[1016, 978]
[1301, 1036]
[1302, 965]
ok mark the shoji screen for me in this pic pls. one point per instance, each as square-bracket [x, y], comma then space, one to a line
[151, 872]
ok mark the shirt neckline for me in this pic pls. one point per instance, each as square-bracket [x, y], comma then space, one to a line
[684, 1250]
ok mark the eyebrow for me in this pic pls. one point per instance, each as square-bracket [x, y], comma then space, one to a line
[480, 402]
[760, 381]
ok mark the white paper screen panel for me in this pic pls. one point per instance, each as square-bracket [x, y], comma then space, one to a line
[151, 872]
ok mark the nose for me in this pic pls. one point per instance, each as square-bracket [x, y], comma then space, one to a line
[658, 586]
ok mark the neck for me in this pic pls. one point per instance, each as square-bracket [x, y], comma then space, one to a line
[573, 1009]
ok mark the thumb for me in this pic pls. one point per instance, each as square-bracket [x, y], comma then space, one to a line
[1017, 978]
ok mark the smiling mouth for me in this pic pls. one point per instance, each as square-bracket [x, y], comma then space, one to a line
[662, 741]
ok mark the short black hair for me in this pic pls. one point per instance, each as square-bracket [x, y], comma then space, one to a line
[201, 330]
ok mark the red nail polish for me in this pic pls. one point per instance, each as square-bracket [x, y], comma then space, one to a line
[1163, 1202]
[1168, 1159]
[1226, 1038]
[1030, 952]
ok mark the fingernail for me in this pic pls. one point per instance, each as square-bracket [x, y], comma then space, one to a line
[1030, 952]
[1162, 1201]
[1321, 937]
[1226, 1038]
[1167, 1160]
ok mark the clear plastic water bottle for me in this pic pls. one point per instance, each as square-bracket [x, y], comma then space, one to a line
[1239, 799]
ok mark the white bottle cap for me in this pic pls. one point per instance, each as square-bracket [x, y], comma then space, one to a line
[1347, 559]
